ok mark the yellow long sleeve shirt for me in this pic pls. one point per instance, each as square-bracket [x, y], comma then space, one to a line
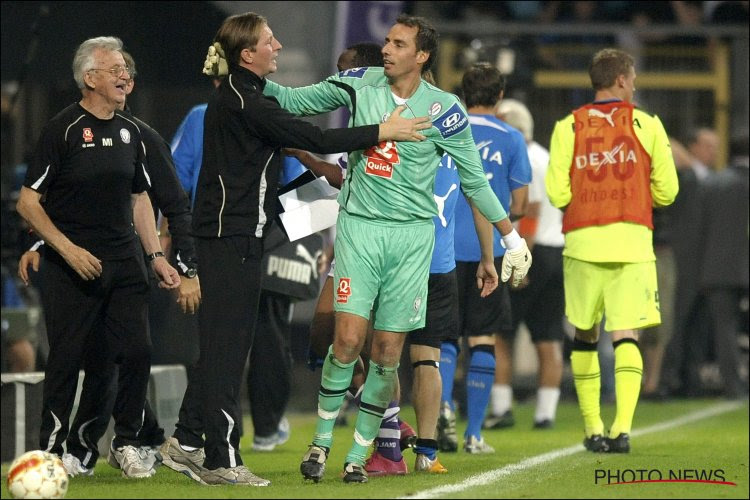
[620, 241]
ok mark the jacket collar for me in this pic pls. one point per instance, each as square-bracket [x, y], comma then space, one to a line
[608, 101]
[247, 78]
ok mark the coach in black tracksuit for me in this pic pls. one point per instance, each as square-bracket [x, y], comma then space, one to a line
[84, 193]
[98, 395]
[235, 203]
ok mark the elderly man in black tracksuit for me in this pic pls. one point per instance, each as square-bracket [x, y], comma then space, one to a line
[84, 193]
[101, 396]
[235, 203]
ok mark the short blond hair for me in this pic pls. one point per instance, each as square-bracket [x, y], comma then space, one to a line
[607, 65]
[239, 32]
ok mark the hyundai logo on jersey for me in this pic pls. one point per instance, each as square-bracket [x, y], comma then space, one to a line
[452, 121]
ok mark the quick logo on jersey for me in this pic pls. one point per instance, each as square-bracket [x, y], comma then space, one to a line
[88, 135]
[353, 72]
[381, 159]
[452, 121]
[344, 290]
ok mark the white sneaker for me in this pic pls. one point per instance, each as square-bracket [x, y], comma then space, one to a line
[285, 431]
[280, 437]
[477, 446]
[150, 456]
[131, 460]
[446, 428]
[74, 467]
[239, 475]
[178, 459]
[424, 464]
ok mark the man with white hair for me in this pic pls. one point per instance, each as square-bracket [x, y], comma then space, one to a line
[540, 304]
[85, 195]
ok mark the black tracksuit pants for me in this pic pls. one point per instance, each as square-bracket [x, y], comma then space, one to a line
[101, 399]
[269, 381]
[93, 324]
[230, 276]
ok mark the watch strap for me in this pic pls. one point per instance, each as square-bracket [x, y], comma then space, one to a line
[154, 255]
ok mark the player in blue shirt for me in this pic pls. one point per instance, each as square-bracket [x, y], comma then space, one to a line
[506, 164]
[442, 311]
[187, 149]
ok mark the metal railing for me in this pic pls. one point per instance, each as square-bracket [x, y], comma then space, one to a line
[686, 85]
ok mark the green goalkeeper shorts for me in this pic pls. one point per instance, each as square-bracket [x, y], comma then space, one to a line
[382, 269]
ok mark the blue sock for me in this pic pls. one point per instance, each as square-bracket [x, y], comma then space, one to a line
[427, 447]
[478, 386]
[448, 355]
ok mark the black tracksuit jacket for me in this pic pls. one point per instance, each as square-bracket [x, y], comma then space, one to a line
[243, 137]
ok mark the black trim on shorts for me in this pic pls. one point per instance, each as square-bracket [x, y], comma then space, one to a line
[441, 324]
[541, 304]
[479, 316]
[580, 345]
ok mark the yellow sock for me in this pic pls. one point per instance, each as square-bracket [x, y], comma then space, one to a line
[628, 375]
[584, 361]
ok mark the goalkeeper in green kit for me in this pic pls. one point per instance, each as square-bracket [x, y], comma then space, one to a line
[385, 231]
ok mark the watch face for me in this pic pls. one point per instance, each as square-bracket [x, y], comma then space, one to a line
[191, 273]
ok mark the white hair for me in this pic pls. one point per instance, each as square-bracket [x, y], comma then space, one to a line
[83, 61]
[516, 114]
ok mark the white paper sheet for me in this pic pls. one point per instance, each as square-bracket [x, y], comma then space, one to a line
[319, 189]
[310, 208]
[310, 218]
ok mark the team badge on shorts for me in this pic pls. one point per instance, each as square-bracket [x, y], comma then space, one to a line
[88, 135]
[344, 290]
[417, 306]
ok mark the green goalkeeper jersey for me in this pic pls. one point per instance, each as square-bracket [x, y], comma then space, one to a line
[394, 181]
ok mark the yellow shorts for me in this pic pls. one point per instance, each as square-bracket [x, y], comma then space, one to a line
[626, 291]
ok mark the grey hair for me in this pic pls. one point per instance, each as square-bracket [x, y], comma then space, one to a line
[516, 114]
[83, 61]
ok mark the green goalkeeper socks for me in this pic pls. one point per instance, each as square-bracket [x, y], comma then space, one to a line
[334, 382]
[377, 393]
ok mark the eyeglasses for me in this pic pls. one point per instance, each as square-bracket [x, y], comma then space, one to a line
[116, 71]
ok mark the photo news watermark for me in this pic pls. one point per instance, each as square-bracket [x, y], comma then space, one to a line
[611, 477]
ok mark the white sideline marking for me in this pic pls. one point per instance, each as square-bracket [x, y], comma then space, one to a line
[497, 474]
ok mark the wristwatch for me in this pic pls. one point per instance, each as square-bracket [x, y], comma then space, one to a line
[152, 256]
[190, 272]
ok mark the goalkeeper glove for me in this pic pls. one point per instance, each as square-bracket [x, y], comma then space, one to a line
[517, 258]
[215, 63]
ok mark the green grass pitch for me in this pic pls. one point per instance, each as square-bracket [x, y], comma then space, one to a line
[676, 437]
